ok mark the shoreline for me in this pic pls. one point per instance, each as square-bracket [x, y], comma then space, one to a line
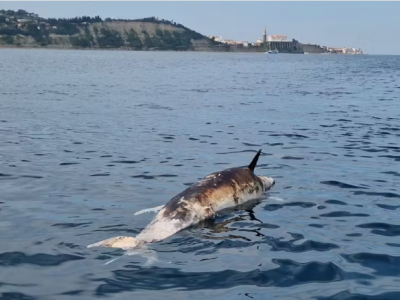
[127, 50]
[23, 30]
[198, 51]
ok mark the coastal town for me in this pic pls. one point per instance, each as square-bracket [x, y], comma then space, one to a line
[282, 41]
[21, 28]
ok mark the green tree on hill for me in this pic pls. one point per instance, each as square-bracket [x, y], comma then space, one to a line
[159, 32]
[133, 40]
[10, 31]
[8, 39]
[174, 36]
[41, 36]
[109, 38]
[65, 28]
[21, 12]
[85, 41]
[147, 41]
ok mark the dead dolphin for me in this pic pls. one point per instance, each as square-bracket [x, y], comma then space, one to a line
[200, 201]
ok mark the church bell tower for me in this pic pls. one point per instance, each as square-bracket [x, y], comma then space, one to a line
[265, 35]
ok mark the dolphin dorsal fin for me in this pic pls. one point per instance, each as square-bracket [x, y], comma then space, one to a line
[253, 163]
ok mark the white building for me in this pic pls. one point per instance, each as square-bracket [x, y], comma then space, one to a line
[216, 38]
[230, 42]
[277, 38]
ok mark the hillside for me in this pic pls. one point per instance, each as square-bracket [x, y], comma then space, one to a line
[23, 29]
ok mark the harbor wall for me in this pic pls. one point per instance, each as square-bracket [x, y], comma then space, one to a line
[311, 48]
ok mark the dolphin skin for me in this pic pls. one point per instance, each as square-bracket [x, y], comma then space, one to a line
[217, 191]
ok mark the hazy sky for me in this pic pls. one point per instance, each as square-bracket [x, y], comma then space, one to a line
[372, 26]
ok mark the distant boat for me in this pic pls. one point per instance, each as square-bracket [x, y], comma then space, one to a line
[306, 53]
[273, 51]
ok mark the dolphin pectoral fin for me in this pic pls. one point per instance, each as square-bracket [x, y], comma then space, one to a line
[143, 251]
[147, 210]
[276, 199]
[123, 242]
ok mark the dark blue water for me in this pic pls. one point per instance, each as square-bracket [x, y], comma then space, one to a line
[87, 138]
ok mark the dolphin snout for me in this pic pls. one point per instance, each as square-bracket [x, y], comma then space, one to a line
[268, 181]
[271, 181]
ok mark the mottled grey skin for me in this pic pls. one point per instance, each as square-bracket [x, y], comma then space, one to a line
[207, 192]
[200, 201]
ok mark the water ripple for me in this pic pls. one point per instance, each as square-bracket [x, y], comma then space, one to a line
[341, 184]
[39, 259]
[287, 273]
[382, 228]
[88, 138]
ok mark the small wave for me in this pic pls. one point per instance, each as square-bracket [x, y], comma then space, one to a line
[346, 295]
[388, 207]
[71, 225]
[274, 144]
[382, 264]
[274, 206]
[277, 245]
[244, 151]
[391, 128]
[382, 228]
[16, 295]
[153, 176]
[291, 135]
[251, 145]
[336, 202]
[126, 162]
[288, 273]
[395, 157]
[292, 157]
[340, 214]
[386, 195]
[341, 184]
[39, 259]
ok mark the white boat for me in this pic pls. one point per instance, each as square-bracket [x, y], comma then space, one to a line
[273, 51]
[306, 53]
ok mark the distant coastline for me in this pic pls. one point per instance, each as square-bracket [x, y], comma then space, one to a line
[207, 50]
[21, 29]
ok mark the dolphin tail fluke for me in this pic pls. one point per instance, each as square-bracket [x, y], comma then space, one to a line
[123, 242]
[253, 163]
